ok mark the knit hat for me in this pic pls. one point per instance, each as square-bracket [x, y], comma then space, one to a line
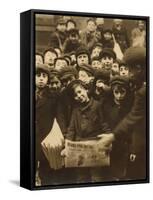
[42, 68]
[135, 56]
[120, 80]
[107, 52]
[82, 50]
[87, 68]
[67, 72]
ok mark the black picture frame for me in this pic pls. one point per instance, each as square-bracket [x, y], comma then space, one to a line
[27, 98]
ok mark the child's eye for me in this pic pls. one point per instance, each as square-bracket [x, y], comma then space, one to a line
[38, 75]
[44, 75]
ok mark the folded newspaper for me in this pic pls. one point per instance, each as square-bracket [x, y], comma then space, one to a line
[85, 154]
[52, 146]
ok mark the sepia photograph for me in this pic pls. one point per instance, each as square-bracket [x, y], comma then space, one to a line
[91, 99]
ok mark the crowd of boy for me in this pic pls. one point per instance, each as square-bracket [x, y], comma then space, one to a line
[81, 82]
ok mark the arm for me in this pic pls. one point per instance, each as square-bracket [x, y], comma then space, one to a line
[71, 129]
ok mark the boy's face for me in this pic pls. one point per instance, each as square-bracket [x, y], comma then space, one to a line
[61, 27]
[107, 36]
[84, 77]
[107, 62]
[119, 93]
[124, 71]
[55, 84]
[41, 79]
[82, 59]
[60, 64]
[96, 64]
[74, 38]
[49, 58]
[67, 81]
[91, 26]
[81, 94]
[39, 59]
[115, 67]
[96, 51]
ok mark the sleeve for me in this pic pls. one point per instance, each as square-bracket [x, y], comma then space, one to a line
[104, 125]
[136, 114]
[71, 129]
[61, 119]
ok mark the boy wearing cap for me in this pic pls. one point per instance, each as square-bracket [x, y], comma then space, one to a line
[45, 114]
[87, 122]
[115, 109]
[97, 48]
[72, 42]
[120, 34]
[82, 56]
[58, 37]
[49, 57]
[95, 63]
[60, 63]
[135, 58]
[107, 57]
[107, 39]
[88, 37]
[55, 83]
[86, 74]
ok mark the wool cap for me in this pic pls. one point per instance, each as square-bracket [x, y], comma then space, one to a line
[42, 68]
[107, 52]
[82, 50]
[120, 80]
[67, 72]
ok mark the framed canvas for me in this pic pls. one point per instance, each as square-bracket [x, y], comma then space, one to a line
[84, 99]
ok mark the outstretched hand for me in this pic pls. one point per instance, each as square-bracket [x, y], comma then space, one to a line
[106, 139]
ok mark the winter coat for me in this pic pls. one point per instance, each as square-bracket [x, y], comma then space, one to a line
[87, 122]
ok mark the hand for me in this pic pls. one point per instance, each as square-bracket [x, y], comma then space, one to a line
[106, 139]
[132, 157]
[64, 153]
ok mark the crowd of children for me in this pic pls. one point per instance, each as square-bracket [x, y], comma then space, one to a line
[81, 82]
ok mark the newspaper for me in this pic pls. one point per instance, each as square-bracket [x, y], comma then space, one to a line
[52, 146]
[85, 154]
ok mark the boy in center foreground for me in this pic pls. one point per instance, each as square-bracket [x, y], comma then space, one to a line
[87, 123]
